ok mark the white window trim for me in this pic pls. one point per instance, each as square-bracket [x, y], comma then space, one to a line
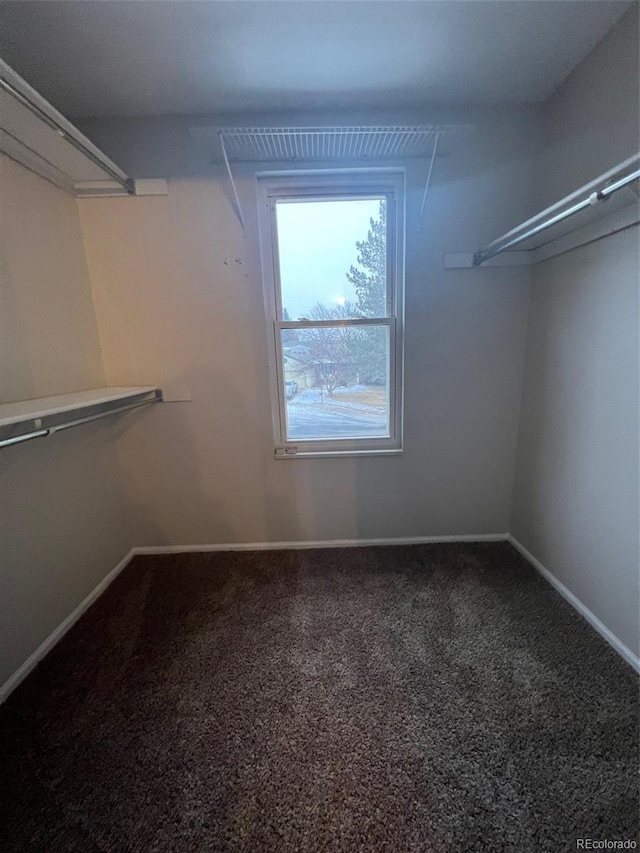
[359, 183]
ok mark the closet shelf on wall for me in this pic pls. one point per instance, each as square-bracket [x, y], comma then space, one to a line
[35, 134]
[314, 144]
[341, 146]
[604, 206]
[44, 416]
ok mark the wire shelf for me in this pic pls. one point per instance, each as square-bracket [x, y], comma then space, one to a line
[295, 144]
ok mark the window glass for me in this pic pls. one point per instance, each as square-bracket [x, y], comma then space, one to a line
[336, 382]
[332, 267]
[333, 258]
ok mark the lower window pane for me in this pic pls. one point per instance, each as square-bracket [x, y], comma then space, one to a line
[336, 382]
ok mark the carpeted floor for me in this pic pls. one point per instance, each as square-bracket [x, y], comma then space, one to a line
[423, 698]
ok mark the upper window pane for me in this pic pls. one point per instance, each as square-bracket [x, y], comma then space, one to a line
[333, 258]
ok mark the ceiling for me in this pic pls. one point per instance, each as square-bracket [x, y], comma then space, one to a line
[158, 58]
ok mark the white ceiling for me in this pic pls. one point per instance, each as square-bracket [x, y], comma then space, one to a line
[156, 58]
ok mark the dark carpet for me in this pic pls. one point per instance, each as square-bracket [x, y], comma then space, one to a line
[423, 698]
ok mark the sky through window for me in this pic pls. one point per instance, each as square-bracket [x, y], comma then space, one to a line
[316, 248]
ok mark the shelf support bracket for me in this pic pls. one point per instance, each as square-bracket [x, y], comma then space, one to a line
[428, 182]
[231, 181]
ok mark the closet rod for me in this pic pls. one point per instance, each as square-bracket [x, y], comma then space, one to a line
[89, 418]
[67, 131]
[502, 244]
[49, 424]
[18, 439]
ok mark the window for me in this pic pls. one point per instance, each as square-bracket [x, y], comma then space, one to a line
[332, 269]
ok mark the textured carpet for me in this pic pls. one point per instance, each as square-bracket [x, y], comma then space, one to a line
[423, 698]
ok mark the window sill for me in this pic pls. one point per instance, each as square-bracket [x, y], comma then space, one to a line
[321, 454]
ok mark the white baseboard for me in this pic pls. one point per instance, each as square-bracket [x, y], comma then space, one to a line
[624, 652]
[325, 543]
[44, 648]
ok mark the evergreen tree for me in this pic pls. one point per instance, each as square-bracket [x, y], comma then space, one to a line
[369, 278]
[370, 281]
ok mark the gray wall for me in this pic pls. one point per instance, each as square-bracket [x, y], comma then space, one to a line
[576, 504]
[61, 517]
[170, 310]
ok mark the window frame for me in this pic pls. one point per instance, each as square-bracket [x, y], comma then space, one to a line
[342, 184]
